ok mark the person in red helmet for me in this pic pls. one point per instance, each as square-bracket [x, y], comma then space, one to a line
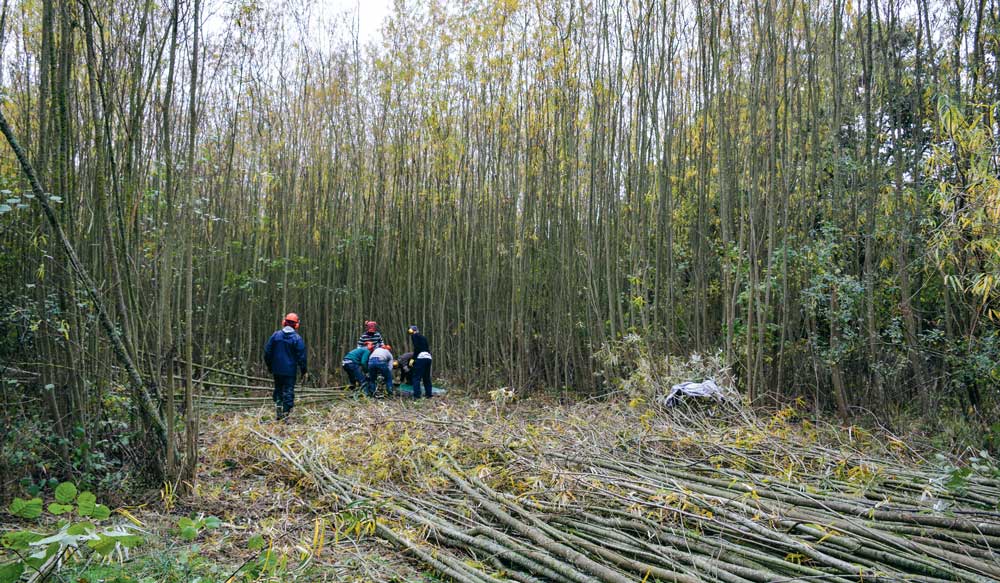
[371, 334]
[285, 354]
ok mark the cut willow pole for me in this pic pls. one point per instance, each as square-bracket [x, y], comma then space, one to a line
[140, 393]
[537, 536]
[618, 515]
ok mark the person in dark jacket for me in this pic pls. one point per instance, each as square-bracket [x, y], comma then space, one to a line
[405, 369]
[355, 364]
[285, 353]
[371, 334]
[421, 362]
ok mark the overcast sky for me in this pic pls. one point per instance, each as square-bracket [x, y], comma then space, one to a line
[370, 13]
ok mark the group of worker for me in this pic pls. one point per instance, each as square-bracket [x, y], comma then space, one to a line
[285, 355]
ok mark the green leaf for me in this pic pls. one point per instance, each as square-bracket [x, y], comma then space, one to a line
[256, 542]
[958, 479]
[212, 522]
[66, 493]
[189, 533]
[130, 540]
[101, 512]
[11, 572]
[20, 539]
[107, 541]
[80, 528]
[26, 508]
[103, 545]
[86, 503]
[185, 522]
[57, 509]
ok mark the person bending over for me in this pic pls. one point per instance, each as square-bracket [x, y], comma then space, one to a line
[380, 364]
[405, 368]
[355, 364]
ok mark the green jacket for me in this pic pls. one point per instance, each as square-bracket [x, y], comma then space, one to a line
[359, 356]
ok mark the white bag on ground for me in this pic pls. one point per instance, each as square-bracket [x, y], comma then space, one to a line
[706, 388]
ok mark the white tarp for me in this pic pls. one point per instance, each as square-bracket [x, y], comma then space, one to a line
[706, 388]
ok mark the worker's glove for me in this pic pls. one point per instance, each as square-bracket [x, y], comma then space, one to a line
[395, 364]
[411, 363]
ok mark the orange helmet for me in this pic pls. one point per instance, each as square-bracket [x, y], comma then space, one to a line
[291, 319]
[387, 347]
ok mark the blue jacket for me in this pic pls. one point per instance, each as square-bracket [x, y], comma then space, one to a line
[284, 352]
[359, 356]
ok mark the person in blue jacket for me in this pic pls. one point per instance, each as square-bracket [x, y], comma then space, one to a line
[355, 364]
[284, 353]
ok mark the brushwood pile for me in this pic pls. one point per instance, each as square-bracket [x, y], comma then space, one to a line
[532, 490]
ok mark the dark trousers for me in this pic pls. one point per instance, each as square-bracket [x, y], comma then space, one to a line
[421, 373]
[378, 368]
[284, 391]
[355, 376]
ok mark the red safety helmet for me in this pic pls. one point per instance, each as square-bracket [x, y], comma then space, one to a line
[371, 326]
[291, 319]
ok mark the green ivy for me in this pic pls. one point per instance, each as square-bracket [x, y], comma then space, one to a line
[34, 548]
[189, 528]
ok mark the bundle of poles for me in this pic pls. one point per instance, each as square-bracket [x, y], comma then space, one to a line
[664, 505]
[235, 390]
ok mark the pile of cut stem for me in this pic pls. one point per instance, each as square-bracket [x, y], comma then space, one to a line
[238, 390]
[604, 493]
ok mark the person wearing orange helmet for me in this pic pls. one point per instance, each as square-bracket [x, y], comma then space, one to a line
[355, 364]
[371, 334]
[380, 364]
[285, 355]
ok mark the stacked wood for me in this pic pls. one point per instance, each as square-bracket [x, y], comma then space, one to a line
[745, 501]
